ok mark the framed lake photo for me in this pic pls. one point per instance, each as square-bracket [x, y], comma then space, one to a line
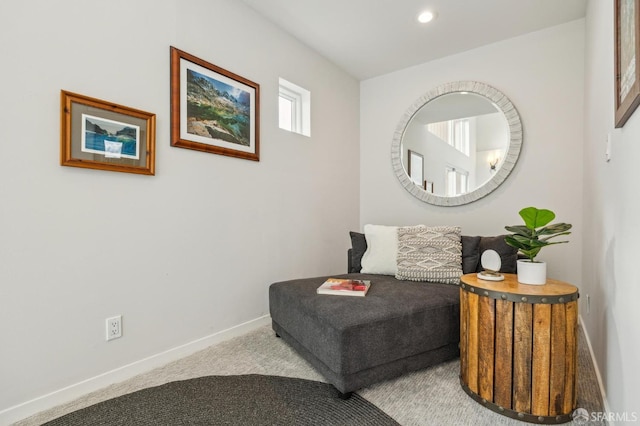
[102, 135]
[213, 110]
[627, 55]
[110, 138]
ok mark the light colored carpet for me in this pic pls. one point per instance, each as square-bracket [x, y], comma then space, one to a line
[431, 396]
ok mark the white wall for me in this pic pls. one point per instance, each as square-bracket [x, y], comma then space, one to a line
[612, 229]
[193, 249]
[542, 74]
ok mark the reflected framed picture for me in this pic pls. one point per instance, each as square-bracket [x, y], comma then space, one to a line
[416, 167]
[212, 109]
[96, 134]
[627, 54]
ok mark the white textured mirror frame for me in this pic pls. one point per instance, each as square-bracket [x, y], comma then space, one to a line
[513, 152]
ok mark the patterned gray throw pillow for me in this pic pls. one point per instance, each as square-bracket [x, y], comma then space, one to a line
[431, 254]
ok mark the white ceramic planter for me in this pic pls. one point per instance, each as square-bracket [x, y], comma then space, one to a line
[534, 273]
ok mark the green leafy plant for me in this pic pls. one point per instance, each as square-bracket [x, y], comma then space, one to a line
[535, 234]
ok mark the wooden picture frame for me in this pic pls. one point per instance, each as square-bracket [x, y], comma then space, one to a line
[212, 109]
[627, 55]
[95, 134]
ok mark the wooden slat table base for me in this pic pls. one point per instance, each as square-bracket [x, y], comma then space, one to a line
[503, 354]
[522, 332]
[518, 347]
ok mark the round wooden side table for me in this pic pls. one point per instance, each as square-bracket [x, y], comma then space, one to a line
[518, 347]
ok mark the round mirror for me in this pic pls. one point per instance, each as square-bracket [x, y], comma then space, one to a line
[457, 143]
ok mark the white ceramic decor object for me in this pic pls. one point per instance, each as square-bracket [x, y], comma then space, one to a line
[491, 263]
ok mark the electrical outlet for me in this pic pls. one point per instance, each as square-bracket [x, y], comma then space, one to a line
[114, 327]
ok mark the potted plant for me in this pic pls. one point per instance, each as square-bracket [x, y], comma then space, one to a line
[529, 240]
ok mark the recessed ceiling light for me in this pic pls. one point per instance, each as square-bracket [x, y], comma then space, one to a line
[426, 16]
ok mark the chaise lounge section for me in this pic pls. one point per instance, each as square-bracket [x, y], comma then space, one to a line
[398, 327]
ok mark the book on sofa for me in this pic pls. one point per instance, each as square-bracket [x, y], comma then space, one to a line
[344, 287]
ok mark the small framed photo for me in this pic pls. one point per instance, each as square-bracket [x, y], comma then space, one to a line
[101, 135]
[428, 186]
[416, 167]
[627, 57]
[212, 109]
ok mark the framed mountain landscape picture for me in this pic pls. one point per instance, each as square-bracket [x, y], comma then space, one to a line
[96, 134]
[212, 109]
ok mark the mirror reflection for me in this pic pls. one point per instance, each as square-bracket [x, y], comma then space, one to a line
[458, 141]
[415, 166]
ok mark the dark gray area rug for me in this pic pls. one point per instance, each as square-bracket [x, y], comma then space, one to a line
[231, 400]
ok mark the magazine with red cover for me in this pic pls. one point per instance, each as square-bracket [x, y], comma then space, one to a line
[344, 287]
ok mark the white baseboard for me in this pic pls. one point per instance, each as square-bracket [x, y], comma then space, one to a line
[595, 366]
[69, 393]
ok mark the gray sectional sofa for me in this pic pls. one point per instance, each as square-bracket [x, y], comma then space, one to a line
[398, 327]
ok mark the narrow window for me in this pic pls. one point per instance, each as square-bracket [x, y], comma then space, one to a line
[460, 135]
[457, 182]
[287, 112]
[453, 132]
[294, 108]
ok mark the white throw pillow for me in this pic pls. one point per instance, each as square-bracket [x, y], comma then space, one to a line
[382, 250]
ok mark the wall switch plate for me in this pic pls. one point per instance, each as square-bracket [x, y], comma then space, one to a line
[114, 327]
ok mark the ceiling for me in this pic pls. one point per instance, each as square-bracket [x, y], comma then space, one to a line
[368, 38]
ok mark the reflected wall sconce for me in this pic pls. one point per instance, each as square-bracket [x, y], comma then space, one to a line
[492, 164]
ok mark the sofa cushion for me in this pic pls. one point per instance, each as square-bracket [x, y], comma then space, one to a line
[358, 247]
[429, 253]
[470, 254]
